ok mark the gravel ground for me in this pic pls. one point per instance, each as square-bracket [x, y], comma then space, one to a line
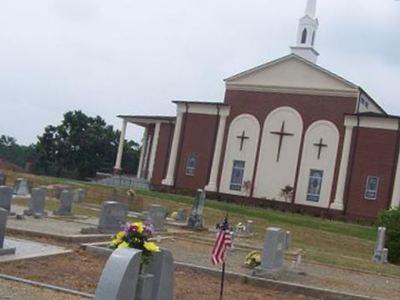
[309, 274]
[19, 291]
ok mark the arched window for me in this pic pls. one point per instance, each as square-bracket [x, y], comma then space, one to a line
[304, 36]
[191, 164]
[313, 39]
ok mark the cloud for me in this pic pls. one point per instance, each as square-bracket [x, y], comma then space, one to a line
[130, 57]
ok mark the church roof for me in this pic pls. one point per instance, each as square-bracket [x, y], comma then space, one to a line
[143, 120]
[200, 102]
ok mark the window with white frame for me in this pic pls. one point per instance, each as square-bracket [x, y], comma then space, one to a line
[371, 188]
[314, 185]
[191, 164]
[237, 175]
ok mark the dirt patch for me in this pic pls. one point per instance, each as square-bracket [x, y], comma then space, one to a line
[81, 271]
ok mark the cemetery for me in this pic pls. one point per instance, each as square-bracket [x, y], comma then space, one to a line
[52, 240]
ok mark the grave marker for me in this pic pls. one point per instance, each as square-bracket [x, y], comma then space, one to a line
[196, 216]
[37, 202]
[3, 225]
[156, 216]
[79, 195]
[120, 276]
[3, 178]
[273, 251]
[380, 253]
[5, 197]
[21, 187]
[65, 207]
[181, 215]
[113, 215]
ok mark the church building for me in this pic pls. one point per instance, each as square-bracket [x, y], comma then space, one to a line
[289, 134]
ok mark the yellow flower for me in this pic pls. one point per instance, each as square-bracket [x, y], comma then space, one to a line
[123, 245]
[152, 247]
[139, 226]
[120, 235]
[118, 239]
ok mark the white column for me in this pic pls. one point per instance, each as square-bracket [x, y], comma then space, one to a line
[396, 188]
[118, 161]
[142, 153]
[153, 150]
[212, 184]
[146, 156]
[169, 180]
[344, 162]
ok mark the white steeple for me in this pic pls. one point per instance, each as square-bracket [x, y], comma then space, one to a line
[308, 26]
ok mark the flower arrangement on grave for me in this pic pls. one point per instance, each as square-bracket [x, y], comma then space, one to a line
[136, 235]
[253, 259]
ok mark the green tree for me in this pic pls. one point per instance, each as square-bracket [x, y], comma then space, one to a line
[17, 154]
[80, 146]
[391, 220]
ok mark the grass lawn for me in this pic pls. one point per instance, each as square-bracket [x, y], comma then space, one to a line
[326, 242]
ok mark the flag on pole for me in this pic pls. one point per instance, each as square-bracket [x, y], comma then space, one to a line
[222, 244]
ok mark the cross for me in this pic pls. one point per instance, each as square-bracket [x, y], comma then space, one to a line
[281, 134]
[242, 138]
[320, 145]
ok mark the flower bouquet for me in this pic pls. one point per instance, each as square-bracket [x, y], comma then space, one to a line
[136, 235]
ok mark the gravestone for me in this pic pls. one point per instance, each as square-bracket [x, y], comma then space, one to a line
[21, 187]
[273, 251]
[3, 178]
[196, 216]
[156, 216]
[250, 227]
[181, 215]
[288, 239]
[161, 267]
[380, 253]
[65, 207]
[3, 225]
[113, 215]
[36, 204]
[5, 197]
[79, 195]
[120, 277]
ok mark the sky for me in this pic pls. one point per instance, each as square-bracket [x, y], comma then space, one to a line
[134, 57]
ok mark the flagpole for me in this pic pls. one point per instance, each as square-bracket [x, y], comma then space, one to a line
[221, 294]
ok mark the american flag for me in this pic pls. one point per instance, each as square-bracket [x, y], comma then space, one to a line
[223, 243]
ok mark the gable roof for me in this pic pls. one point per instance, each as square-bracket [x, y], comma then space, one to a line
[293, 73]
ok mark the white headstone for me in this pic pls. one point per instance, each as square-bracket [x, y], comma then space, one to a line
[113, 216]
[380, 253]
[21, 187]
[79, 195]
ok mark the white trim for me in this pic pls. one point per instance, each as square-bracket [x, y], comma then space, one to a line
[328, 165]
[212, 184]
[169, 180]
[154, 150]
[205, 109]
[118, 161]
[372, 122]
[273, 176]
[344, 162]
[142, 153]
[287, 90]
[287, 57]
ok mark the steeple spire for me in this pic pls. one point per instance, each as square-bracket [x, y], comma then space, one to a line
[308, 26]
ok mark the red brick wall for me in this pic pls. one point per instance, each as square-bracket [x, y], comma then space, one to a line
[198, 133]
[311, 107]
[375, 152]
[162, 154]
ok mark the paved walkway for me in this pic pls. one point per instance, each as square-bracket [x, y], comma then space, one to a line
[18, 291]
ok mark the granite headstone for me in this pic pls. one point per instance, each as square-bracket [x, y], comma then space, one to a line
[21, 187]
[380, 253]
[3, 225]
[5, 197]
[113, 214]
[156, 216]
[3, 178]
[196, 216]
[79, 195]
[273, 251]
[65, 206]
[37, 203]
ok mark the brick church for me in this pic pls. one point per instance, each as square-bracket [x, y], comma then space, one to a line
[288, 134]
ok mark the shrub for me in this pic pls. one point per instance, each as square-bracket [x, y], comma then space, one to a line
[391, 220]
